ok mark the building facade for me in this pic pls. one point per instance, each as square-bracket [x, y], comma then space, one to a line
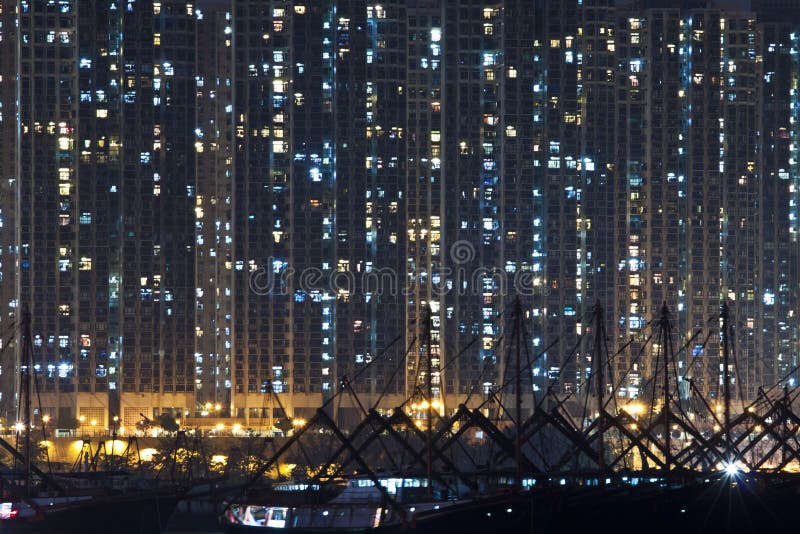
[237, 208]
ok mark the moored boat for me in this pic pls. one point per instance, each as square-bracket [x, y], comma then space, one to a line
[402, 504]
[142, 511]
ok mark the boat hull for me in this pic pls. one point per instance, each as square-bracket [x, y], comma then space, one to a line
[505, 513]
[729, 506]
[124, 514]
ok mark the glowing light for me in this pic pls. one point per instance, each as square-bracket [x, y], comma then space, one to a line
[147, 454]
[298, 422]
[634, 408]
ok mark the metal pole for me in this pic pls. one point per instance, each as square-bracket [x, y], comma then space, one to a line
[518, 392]
[429, 462]
[665, 331]
[26, 394]
[726, 394]
[597, 365]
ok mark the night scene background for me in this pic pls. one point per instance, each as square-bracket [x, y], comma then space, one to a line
[547, 248]
[206, 204]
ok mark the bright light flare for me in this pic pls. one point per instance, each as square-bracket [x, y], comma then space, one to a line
[635, 408]
[733, 469]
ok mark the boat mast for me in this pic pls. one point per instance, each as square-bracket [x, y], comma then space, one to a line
[518, 386]
[597, 364]
[665, 340]
[26, 363]
[726, 393]
[429, 394]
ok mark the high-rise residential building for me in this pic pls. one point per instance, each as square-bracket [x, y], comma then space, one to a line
[238, 207]
[704, 195]
[359, 115]
[778, 44]
[8, 204]
[105, 172]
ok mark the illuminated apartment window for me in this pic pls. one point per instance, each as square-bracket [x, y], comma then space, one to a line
[85, 264]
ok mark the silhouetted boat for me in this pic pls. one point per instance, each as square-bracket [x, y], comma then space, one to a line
[113, 501]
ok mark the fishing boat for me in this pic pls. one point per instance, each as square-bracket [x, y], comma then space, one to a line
[711, 471]
[394, 505]
[36, 501]
[430, 494]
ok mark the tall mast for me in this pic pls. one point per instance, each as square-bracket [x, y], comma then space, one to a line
[726, 393]
[597, 364]
[665, 331]
[518, 391]
[26, 363]
[429, 394]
